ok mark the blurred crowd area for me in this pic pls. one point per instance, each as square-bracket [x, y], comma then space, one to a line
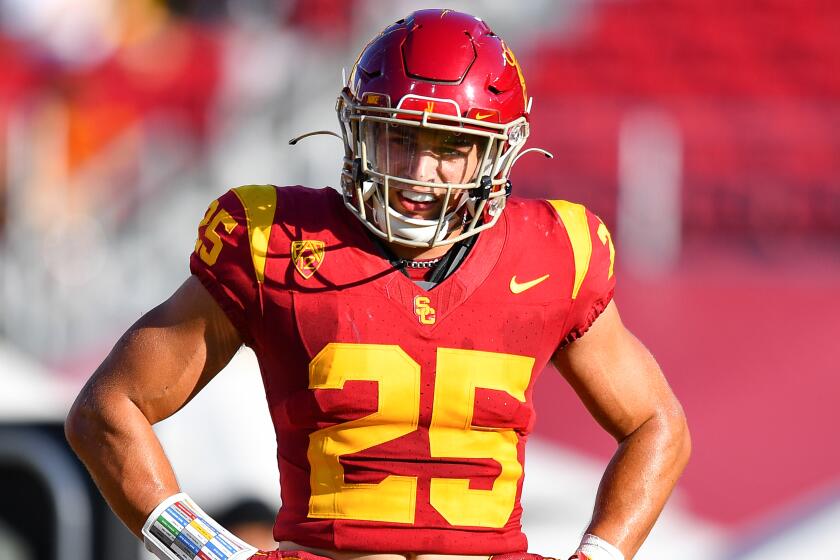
[680, 122]
[121, 120]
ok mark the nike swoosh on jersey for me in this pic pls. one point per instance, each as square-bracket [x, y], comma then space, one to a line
[518, 288]
[480, 117]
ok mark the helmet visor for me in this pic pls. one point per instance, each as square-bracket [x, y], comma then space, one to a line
[423, 155]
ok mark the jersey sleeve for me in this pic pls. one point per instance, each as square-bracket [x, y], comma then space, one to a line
[230, 252]
[593, 255]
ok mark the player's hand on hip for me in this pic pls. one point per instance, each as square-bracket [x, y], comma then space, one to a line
[266, 555]
[521, 556]
[286, 555]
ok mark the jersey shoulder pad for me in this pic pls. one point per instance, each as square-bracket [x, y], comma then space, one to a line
[592, 254]
[592, 249]
[229, 256]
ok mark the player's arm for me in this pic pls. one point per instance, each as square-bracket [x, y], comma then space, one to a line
[155, 368]
[623, 388]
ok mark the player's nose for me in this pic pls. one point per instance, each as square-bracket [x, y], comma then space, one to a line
[425, 167]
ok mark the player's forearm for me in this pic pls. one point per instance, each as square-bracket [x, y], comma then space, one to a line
[639, 479]
[116, 443]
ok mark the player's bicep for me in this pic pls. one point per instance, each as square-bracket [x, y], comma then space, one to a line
[170, 353]
[615, 376]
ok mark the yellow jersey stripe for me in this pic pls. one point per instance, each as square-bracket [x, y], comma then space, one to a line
[574, 218]
[260, 202]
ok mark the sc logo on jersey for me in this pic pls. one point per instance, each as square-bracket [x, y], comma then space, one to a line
[425, 312]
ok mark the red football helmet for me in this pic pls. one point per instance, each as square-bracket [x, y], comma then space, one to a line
[437, 89]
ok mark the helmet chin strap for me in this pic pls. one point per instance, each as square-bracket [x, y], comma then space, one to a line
[407, 228]
[413, 229]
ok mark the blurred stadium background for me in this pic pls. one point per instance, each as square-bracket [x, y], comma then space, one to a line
[705, 132]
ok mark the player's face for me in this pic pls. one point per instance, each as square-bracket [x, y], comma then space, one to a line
[432, 156]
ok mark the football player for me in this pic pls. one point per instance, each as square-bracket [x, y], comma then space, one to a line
[400, 324]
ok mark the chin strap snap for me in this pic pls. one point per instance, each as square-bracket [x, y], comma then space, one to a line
[356, 171]
[482, 192]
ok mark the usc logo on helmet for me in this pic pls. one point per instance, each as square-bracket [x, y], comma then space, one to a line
[511, 60]
[425, 312]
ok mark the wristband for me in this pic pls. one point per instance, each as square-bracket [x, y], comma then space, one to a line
[593, 547]
[178, 529]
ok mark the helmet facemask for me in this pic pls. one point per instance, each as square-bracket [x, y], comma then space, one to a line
[424, 178]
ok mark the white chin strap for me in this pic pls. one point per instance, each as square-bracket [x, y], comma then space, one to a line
[412, 229]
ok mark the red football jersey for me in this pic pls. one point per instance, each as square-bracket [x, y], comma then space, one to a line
[401, 414]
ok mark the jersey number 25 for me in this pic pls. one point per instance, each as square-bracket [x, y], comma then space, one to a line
[451, 434]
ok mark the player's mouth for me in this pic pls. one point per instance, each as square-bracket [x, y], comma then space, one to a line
[417, 204]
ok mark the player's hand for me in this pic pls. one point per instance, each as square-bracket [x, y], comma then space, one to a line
[520, 556]
[286, 555]
[265, 555]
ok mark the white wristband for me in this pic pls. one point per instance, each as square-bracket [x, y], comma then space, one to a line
[596, 548]
[178, 529]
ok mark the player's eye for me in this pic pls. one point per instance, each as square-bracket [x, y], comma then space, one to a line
[397, 137]
[454, 149]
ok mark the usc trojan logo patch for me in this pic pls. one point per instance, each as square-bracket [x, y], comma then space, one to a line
[307, 256]
[425, 312]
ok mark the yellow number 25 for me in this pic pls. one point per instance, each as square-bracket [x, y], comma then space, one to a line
[451, 433]
[212, 220]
